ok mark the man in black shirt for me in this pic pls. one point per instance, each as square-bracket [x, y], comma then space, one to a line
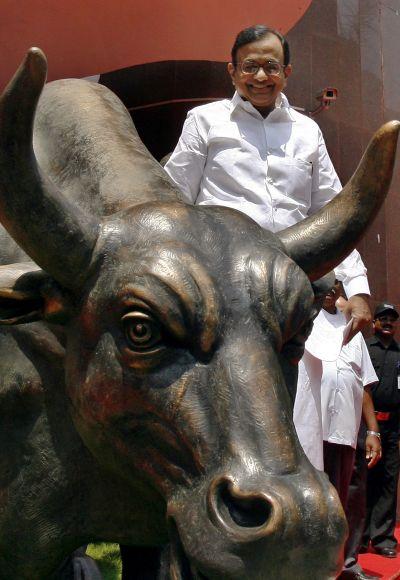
[382, 481]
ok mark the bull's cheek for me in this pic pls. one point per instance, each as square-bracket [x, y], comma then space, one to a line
[94, 378]
[124, 423]
[94, 386]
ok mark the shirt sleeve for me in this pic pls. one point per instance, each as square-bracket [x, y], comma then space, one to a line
[325, 185]
[353, 275]
[186, 164]
[325, 182]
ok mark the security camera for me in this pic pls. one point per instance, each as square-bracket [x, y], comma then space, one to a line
[328, 94]
[326, 97]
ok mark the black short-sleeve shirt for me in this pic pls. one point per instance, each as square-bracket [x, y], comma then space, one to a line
[386, 362]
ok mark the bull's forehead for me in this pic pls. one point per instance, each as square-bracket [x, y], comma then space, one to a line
[205, 261]
[217, 236]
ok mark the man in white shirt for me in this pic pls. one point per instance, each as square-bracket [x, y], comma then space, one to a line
[343, 394]
[256, 154]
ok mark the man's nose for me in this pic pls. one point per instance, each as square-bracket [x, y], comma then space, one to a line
[261, 74]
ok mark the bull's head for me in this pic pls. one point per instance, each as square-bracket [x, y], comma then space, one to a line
[183, 328]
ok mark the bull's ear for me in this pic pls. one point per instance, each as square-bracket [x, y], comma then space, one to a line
[28, 294]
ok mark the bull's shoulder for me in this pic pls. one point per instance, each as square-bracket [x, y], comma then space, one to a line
[31, 358]
[23, 385]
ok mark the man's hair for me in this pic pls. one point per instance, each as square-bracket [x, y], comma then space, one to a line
[257, 32]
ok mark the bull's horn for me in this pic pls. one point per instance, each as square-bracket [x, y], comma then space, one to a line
[56, 234]
[322, 241]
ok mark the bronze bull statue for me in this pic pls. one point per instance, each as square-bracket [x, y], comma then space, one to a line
[150, 350]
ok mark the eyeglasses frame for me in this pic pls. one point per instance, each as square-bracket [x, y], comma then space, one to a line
[281, 67]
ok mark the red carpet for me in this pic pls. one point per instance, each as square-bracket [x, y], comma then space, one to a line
[385, 568]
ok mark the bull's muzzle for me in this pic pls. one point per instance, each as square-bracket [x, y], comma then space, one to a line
[260, 527]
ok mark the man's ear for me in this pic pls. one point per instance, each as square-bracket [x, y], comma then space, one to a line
[288, 71]
[232, 71]
[28, 294]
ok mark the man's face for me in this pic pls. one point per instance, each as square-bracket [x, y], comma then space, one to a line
[330, 299]
[385, 324]
[260, 89]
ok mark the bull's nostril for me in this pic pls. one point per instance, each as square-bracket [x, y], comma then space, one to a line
[246, 510]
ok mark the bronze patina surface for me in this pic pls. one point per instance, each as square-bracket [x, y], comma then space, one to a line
[149, 351]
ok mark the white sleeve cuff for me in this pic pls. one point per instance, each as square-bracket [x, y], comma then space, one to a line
[356, 285]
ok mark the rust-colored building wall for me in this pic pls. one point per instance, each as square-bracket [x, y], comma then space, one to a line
[97, 36]
[354, 46]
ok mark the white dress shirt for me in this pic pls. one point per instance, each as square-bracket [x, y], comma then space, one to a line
[342, 387]
[307, 409]
[274, 169]
[329, 396]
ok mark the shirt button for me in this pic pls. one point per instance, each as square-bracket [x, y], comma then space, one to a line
[269, 180]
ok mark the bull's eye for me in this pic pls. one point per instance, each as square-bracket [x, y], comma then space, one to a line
[141, 330]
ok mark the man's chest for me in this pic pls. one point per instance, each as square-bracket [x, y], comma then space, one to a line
[258, 139]
[386, 362]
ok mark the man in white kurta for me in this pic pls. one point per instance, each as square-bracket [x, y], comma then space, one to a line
[342, 387]
[330, 389]
[327, 415]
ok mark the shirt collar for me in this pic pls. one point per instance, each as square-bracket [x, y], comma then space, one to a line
[282, 109]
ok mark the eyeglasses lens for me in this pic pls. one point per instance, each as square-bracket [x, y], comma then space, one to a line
[270, 68]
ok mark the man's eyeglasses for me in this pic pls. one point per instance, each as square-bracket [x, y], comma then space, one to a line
[270, 68]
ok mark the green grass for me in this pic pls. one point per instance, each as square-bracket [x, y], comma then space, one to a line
[108, 559]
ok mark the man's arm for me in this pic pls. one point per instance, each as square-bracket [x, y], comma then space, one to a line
[325, 182]
[352, 271]
[373, 450]
[186, 164]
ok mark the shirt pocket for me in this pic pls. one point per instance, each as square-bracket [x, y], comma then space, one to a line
[292, 177]
[233, 164]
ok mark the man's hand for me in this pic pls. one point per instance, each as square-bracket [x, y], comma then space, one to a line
[373, 450]
[357, 308]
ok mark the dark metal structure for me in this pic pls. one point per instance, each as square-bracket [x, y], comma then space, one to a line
[151, 349]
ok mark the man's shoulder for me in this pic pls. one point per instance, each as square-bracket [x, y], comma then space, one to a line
[374, 344]
[303, 119]
[211, 110]
[395, 345]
